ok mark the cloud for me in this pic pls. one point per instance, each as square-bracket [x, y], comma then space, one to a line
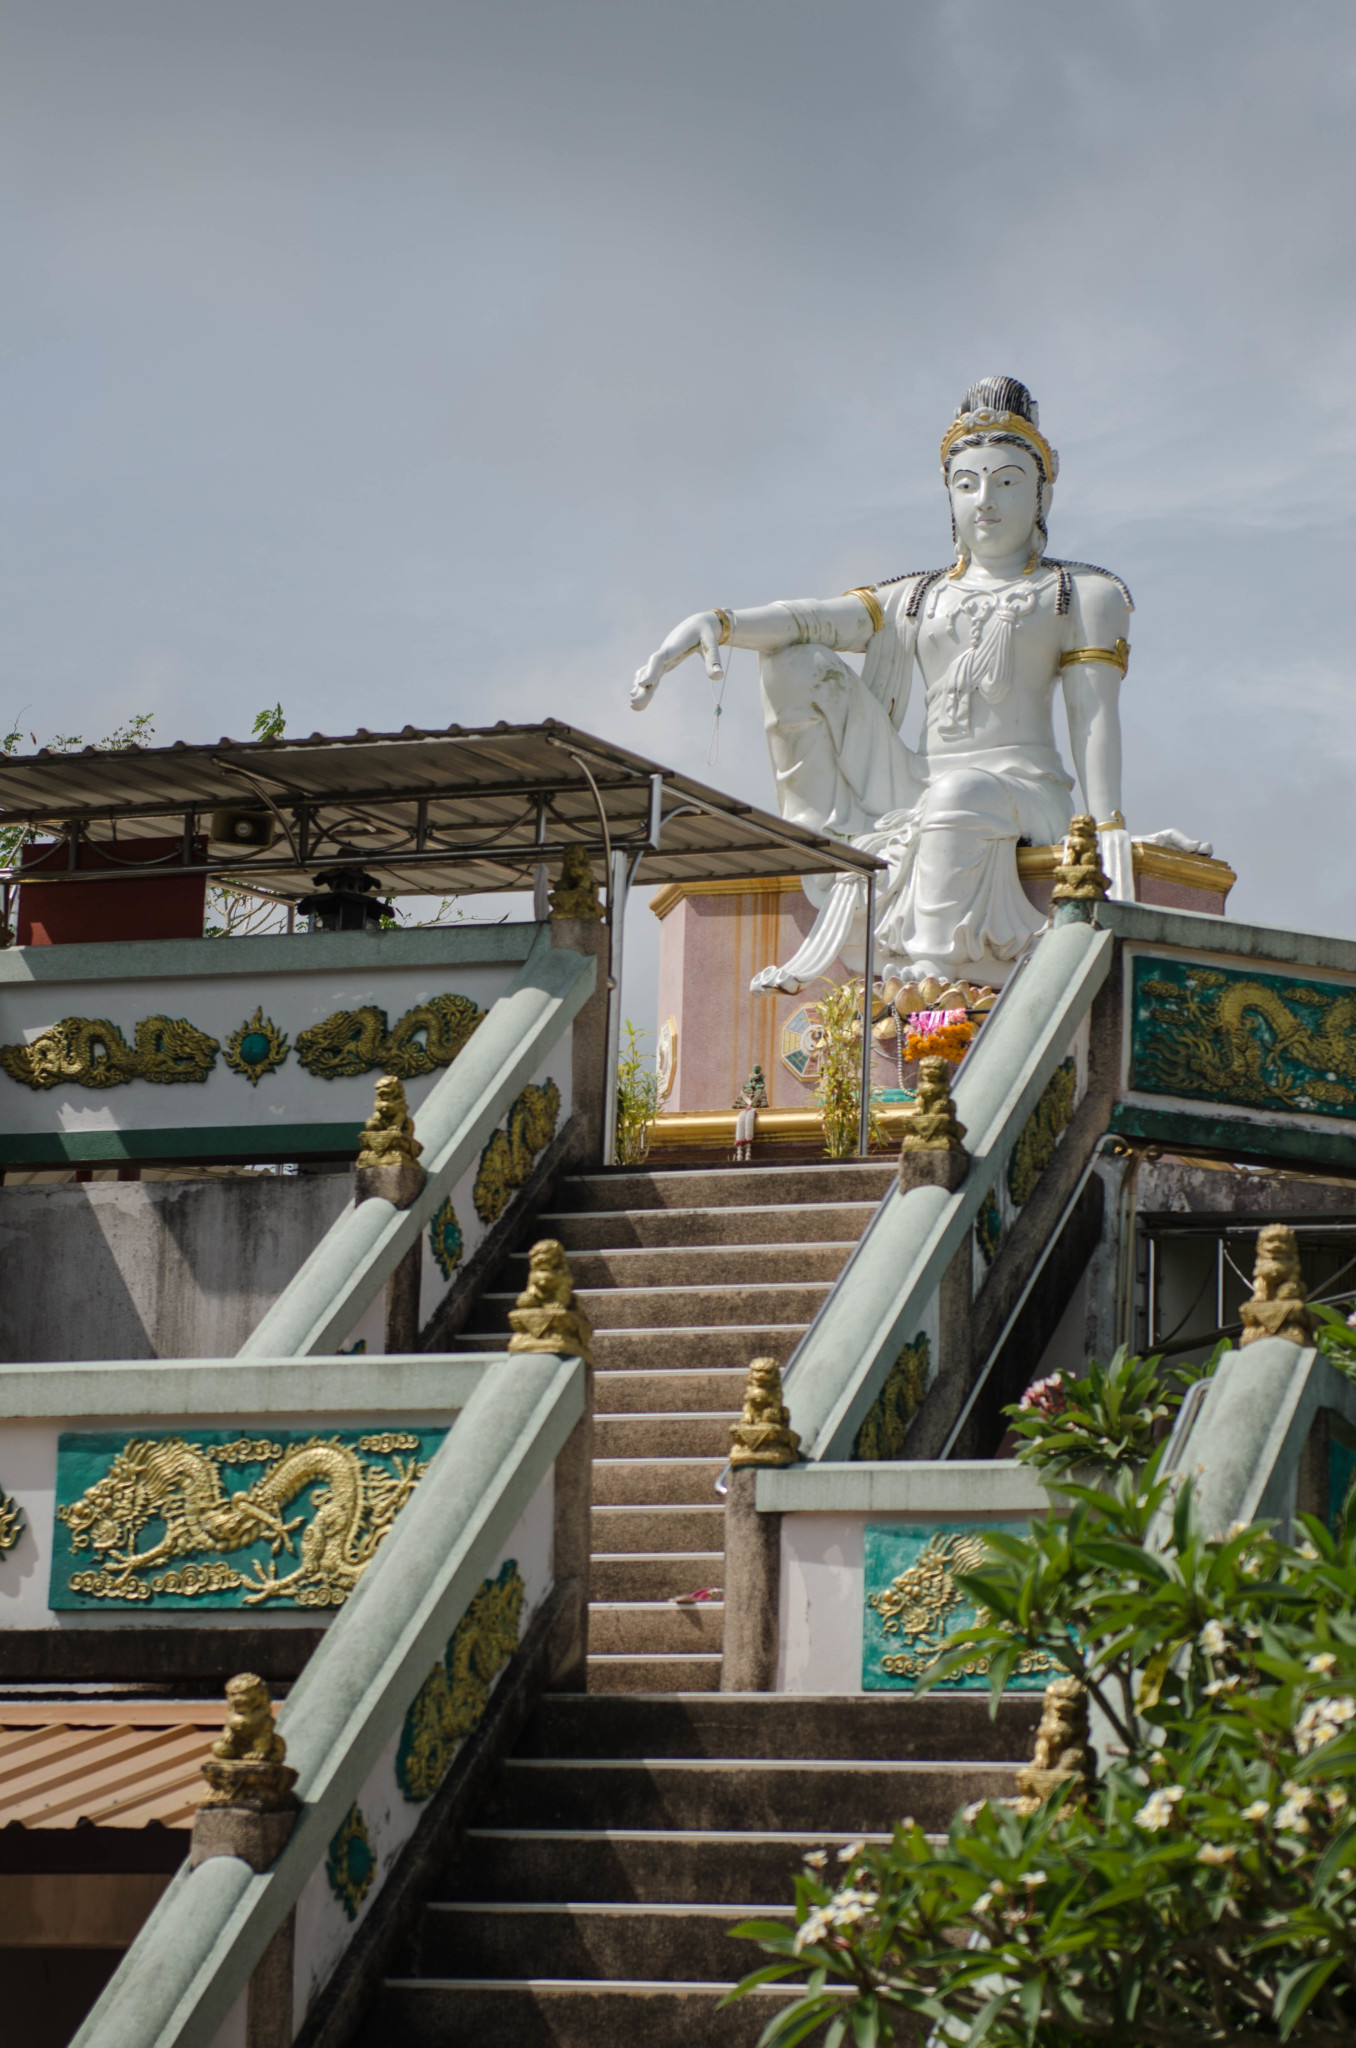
[426, 363]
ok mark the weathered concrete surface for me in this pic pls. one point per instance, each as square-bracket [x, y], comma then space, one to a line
[153, 1269]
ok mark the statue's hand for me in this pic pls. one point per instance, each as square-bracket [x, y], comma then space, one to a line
[701, 630]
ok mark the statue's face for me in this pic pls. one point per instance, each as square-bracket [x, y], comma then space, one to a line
[995, 498]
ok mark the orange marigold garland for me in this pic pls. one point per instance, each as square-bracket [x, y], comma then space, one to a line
[942, 1036]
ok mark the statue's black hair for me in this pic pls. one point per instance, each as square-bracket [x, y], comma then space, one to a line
[1001, 394]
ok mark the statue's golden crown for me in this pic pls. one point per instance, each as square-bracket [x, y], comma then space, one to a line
[984, 420]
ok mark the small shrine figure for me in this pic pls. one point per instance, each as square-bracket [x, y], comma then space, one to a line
[246, 1766]
[930, 1122]
[751, 1098]
[576, 893]
[388, 1135]
[1062, 1755]
[1079, 878]
[1278, 1293]
[547, 1317]
[763, 1435]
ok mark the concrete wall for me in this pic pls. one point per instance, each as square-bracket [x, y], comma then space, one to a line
[153, 1269]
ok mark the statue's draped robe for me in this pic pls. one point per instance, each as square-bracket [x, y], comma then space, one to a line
[947, 823]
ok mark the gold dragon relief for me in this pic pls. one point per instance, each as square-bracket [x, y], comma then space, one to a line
[1251, 1040]
[206, 1519]
[914, 1611]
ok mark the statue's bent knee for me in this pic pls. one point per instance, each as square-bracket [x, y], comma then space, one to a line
[792, 678]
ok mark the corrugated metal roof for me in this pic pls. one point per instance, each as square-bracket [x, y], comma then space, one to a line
[441, 812]
[113, 1766]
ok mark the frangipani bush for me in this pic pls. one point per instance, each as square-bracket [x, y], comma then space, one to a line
[1205, 1893]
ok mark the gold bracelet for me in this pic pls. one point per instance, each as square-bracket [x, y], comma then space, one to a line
[1115, 823]
[872, 603]
[726, 625]
[1114, 657]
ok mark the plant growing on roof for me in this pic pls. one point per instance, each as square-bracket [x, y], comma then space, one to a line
[1203, 1892]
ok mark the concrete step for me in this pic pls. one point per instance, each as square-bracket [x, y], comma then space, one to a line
[658, 1672]
[706, 1265]
[654, 1576]
[684, 1392]
[527, 2013]
[742, 1724]
[804, 1793]
[648, 1307]
[667, 1864]
[723, 1187]
[659, 1942]
[728, 1345]
[630, 1628]
[657, 1529]
[650, 1480]
[761, 1224]
[725, 1345]
[705, 1435]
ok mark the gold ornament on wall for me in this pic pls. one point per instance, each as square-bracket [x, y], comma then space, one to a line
[507, 1159]
[12, 1522]
[451, 1702]
[353, 1042]
[1040, 1135]
[256, 1048]
[178, 1484]
[882, 1433]
[351, 1866]
[91, 1052]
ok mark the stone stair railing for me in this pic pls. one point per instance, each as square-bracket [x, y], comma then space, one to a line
[363, 1249]
[890, 1287]
[185, 1981]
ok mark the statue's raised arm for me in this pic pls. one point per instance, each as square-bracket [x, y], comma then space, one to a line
[843, 622]
[993, 634]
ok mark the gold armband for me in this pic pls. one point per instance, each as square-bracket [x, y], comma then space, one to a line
[1115, 823]
[726, 625]
[1114, 657]
[872, 603]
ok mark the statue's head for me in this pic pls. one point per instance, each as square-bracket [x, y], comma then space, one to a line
[999, 470]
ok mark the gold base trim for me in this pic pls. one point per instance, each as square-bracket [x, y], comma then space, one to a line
[666, 899]
[1034, 864]
[771, 1127]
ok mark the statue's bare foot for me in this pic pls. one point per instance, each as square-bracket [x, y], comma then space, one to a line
[775, 981]
[1179, 842]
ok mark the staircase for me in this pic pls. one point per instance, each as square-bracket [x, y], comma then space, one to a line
[686, 1276]
[626, 1836]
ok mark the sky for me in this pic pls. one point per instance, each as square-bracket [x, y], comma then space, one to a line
[419, 361]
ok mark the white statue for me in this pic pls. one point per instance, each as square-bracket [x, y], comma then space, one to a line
[992, 635]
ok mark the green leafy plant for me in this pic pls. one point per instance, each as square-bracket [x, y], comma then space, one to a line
[1111, 1417]
[270, 725]
[1335, 1337]
[839, 1094]
[1205, 1892]
[637, 1098]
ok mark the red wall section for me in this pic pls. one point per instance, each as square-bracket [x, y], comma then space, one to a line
[166, 906]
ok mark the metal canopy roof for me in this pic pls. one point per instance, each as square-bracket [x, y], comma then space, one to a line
[442, 813]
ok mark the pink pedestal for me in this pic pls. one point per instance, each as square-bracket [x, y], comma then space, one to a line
[715, 936]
